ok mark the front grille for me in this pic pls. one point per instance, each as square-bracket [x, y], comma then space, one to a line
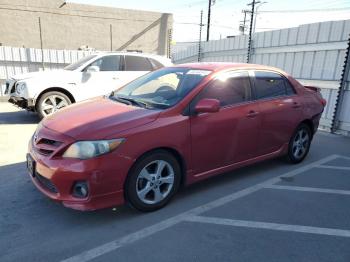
[45, 146]
[13, 89]
[46, 183]
[50, 142]
[45, 152]
[7, 87]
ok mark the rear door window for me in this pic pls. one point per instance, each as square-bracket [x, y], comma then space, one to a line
[270, 85]
[137, 63]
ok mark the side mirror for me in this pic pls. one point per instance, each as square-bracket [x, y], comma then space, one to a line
[92, 69]
[207, 105]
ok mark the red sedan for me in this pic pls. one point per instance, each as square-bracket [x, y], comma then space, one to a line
[171, 127]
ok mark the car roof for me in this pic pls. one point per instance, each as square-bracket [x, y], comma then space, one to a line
[220, 66]
[130, 53]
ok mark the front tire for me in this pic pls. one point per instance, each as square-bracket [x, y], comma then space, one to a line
[51, 102]
[153, 181]
[299, 144]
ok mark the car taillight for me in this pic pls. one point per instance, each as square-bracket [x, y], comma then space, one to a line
[323, 101]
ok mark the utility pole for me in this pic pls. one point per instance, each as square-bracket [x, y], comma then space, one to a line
[250, 31]
[211, 2]
[111, 36]
[41, 43]
[200, 37]
[242, 27]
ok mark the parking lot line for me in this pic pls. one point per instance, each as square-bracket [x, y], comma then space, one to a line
[335, 167]
[345, 157]
[145, 232]
[309, 189]
[270, 226]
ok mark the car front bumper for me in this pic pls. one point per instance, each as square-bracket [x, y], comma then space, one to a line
[104, 175]
[22, 102]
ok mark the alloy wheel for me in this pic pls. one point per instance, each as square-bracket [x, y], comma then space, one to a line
[52, 104]
[155, 182]
[300, 143]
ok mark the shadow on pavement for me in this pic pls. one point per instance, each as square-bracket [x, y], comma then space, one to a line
[18, 117]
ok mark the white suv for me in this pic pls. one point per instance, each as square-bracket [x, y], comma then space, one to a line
[48, 91]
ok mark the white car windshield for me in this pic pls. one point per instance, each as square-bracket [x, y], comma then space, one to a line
[162, 88]
[79, 63]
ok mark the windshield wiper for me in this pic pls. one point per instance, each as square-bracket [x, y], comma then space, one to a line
[130, 101]
[120, 100]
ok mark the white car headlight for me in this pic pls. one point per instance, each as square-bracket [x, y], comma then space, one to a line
[90, 149]
[20, 87]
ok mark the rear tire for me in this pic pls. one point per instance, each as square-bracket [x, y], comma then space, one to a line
[299, 144]
[153, 181]
[51, 102]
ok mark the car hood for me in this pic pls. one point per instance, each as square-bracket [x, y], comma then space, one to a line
[48, 74]
[98, 118]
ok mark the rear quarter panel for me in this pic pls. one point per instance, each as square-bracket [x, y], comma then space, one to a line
[311, 101]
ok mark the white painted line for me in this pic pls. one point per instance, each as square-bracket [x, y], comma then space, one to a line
[145, 232]
[310, 189]
[335, 167]
[270, 226]
[345, 157]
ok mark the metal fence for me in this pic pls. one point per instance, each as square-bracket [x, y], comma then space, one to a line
[313, 53]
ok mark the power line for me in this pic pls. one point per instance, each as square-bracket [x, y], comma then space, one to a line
[67, 8]
[197, 24]
[306, 10]
[75, 15]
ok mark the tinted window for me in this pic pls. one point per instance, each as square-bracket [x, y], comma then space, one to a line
[79, 63]
[136, 63]
[268, 84]
[163, 88]
[230, 89]
[156, 65]
[108, 63]
[289, 88]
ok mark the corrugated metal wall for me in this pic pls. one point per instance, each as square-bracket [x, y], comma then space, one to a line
[312, 53]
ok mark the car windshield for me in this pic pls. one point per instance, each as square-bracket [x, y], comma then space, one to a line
[79, 63]
[162, 88]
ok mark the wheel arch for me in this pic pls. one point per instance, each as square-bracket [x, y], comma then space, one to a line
[173, 152]
[57, 89]
[310, 124]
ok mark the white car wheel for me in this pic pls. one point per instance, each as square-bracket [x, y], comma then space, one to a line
[51, 102]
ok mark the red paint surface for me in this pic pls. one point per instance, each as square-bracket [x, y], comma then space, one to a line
[208, 143]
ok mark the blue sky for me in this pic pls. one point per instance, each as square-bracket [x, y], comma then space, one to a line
[226, 14]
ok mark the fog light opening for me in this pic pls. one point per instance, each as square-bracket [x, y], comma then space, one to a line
[80, 190]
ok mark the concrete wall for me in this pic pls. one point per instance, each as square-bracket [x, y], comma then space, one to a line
[312, 53]
[75, 25]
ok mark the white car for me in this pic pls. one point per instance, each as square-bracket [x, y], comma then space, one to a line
[46, 92]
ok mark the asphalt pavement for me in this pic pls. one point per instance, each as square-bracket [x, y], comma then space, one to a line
[271, 211]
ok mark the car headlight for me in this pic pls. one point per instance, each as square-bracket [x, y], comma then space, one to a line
[90, 149]
[20, 87]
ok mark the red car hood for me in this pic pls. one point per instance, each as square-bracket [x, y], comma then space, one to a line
[98, 118]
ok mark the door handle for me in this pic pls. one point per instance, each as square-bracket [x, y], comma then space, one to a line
[296, 105]
[252, 114]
